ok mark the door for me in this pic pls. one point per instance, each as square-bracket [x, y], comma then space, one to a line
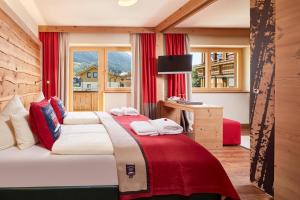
[86, 79]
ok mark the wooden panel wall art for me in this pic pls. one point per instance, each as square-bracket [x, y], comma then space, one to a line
[262, 36]
[20, 63]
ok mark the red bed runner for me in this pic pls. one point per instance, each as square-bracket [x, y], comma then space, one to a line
[178, 165]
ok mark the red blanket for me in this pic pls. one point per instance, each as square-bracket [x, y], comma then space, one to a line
[178, 165]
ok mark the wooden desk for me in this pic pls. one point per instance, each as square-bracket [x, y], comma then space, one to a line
[208, 121]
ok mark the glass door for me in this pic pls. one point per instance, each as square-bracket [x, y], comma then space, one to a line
[86, 74]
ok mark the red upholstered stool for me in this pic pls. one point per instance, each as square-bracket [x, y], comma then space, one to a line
[231, 132]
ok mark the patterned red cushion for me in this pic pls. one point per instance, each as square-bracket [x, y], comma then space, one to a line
[43, 118]
[59, 108]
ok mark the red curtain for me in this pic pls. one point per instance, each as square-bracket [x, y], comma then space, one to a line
[175, 45]
[50, 43]
[148, 50]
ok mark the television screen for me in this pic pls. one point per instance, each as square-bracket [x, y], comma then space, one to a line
[174, 64]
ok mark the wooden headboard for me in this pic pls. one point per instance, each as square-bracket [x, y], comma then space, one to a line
[20, 61]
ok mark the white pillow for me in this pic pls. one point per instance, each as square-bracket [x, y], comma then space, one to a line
[12, 107]
[23, 133]
[6, 136]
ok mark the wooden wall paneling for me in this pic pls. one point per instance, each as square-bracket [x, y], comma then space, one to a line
[287, 104]
[20, 62]
[262, 94]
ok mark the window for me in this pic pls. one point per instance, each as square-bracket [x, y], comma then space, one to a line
[95, 74]
[102, 69]
[118, 68]
[89, 86]
[216, 69]
[89, 74]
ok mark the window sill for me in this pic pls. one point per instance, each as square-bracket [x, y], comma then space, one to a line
[225, 90]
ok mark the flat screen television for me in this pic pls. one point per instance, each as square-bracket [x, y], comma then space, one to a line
[174, 64]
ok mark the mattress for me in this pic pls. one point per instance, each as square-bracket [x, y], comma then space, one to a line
[83, 140]
[81, 118]
[37, 167]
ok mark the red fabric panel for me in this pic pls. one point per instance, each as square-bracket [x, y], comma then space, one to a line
[178, 165]
[148, 47]
[50, 43]
[231, 132]
[175, 45]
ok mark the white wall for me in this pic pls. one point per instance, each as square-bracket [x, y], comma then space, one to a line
[113, 100]
[236, 105]
[99, 39]
[196, 40]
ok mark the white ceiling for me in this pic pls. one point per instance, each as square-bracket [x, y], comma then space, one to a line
[147, 13]
[222, 13]
[105, 12]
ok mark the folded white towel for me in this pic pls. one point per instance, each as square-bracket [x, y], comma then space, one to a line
[129, 111]
[124, 111]
[143, 128]
[166, 126]
[117, 111]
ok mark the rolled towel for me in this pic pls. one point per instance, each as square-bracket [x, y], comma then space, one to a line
[117, 112]
[129, 111]
[166, 126]
[143, 128]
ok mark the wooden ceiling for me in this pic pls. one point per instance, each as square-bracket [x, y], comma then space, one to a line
[165, 26]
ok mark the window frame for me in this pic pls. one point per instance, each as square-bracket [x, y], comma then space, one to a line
[238, 70]
[109, 89]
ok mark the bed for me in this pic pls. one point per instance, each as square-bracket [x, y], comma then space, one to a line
[139, 167]
[81, 118]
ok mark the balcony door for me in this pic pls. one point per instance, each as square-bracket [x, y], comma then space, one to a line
[86, 79]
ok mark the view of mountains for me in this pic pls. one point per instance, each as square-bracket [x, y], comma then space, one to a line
[117, 61]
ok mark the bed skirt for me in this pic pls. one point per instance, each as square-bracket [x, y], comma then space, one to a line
[61, 193]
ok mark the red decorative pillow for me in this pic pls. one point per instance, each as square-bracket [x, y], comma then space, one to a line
[59, 109]
[43, 118]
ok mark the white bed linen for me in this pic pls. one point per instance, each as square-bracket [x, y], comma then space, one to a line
[83, 140]
[81, 118]
[37, 167]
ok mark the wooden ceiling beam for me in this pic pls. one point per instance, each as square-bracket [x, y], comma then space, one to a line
[95, 29]
[225, 32]
[234, 32]
[187, 10]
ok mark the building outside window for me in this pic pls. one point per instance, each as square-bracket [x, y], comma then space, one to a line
[216, 69]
